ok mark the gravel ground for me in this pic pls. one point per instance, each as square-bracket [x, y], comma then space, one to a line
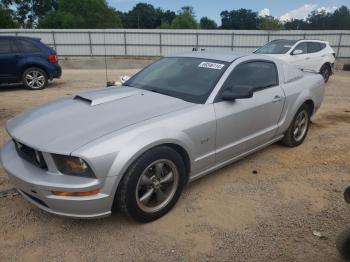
[234, 214]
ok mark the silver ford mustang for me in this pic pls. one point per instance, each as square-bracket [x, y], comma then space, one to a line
[134, 147]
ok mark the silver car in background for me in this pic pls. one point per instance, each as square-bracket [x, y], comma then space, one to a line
[134, 147]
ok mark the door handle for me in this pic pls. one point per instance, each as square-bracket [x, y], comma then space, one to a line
[307, 58]
[276, 99]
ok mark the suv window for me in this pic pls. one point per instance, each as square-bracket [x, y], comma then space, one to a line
[26, 46]
[313, 47]
[302, 46]
[5, 46]
[257, 74]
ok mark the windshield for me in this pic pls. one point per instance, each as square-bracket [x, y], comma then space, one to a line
[190, 79]
[276, 47]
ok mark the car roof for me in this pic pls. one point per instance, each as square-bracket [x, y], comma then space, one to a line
[313, 40]
[226, 56]
[19, 37]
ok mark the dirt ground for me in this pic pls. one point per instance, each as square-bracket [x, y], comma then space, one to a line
[234, 214]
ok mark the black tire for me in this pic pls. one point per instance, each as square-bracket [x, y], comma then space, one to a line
[343, 244]
[326, 72]
[39, 76]
[127, 200]
[289, 138]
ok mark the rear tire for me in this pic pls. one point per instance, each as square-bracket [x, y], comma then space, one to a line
[152, 184]
[34, 78]
[343, 244]
[326, 72]
[297, 131]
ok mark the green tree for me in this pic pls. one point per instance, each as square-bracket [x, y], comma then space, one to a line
[239, 19]
[7, 19]
[82, 14]
[187, 9]
[318, 20]
[28, 12]
[294, 24]
[185, 19]
[270, 23]
[322, 20]
[165, 18]
[141, 16]
[206, 23]
[340, 19]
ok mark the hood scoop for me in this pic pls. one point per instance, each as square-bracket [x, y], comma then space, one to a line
[107, 95]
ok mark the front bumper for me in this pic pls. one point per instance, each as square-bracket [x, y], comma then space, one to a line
[36, 185]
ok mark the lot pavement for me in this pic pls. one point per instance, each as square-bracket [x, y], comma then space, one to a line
[263, 208]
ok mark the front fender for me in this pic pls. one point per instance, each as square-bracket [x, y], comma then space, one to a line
[130, 145]
[112, 155]
[146, 140]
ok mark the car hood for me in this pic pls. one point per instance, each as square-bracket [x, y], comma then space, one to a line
[66, 124]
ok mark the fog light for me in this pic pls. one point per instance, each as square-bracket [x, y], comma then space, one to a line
[86, 193]
[347, 195]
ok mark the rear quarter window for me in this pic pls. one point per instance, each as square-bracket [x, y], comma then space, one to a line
[26, 46]
[5, 46]
[314, 47]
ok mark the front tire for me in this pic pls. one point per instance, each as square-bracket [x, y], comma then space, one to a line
[343, 244]
[34, 78]
[326, 72]
[152, 184]
[299, 127]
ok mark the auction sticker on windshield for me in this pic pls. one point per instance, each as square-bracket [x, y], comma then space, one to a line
[211, 65]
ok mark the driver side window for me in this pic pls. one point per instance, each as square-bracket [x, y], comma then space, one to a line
[255, 74]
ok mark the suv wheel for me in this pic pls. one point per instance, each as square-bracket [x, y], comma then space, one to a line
[343, 244]
[326, 72]
[34, 78]
[152, 185]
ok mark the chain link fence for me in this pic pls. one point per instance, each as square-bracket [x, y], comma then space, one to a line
[156, 42]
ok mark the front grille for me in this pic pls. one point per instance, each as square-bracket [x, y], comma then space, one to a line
[31, 155]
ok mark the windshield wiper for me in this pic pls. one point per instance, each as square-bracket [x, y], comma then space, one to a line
[158, 92]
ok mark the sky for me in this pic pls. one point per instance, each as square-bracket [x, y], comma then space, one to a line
[282, 9]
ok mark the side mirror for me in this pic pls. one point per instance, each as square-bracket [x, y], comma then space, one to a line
[297, 52]
[237, 92]
[121, 81]
[124, 78]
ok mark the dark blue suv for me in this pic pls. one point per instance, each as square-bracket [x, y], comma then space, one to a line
[27, 60]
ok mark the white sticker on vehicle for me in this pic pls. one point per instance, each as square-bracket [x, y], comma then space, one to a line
[211, 65]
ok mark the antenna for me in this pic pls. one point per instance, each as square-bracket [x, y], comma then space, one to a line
[105, 55]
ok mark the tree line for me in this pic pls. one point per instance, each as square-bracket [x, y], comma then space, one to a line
[98, 14]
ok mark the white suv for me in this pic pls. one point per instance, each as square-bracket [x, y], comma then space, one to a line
[312, 55]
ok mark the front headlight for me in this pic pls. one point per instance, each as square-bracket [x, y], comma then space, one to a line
[71, 165]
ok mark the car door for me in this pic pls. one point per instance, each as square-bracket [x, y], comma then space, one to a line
[300, 60]
[315, 57]
[7, 61]
[244, 124]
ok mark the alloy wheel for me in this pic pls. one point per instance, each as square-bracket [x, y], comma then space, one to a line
[35, 79]
[157, 185]
[300, 125]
